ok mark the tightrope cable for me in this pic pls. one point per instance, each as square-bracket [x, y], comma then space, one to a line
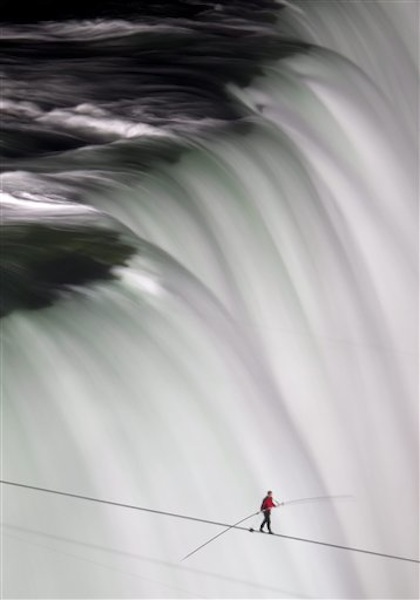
[207, 521]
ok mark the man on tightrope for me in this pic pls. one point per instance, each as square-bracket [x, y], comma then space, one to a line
[267, 504]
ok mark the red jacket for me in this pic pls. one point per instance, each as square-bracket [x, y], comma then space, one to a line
[268, 503]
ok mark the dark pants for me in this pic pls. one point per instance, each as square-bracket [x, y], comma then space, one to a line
[267, 520]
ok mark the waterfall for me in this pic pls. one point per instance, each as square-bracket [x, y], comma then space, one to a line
[263, 335]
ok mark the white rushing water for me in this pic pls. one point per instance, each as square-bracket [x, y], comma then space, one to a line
[265, 338]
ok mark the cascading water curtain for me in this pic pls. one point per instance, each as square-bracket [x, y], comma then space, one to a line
[209, 270]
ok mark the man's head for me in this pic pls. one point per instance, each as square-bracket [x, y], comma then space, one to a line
[269, 493]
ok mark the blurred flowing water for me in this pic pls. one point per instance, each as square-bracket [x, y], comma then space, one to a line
[264, 334]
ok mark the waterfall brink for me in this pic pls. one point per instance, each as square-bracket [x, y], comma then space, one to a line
[261, 334]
